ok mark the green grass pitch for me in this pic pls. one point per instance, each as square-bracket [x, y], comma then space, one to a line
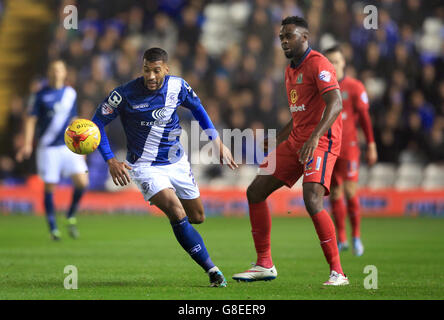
[137, 257]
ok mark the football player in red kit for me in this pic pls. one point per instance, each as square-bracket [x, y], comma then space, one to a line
[346, 170]
[308, 146]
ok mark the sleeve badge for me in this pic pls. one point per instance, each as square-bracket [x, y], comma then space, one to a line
[325, 76]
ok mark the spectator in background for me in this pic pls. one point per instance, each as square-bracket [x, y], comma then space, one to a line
[163, 34]
[135, 25]
[374, 61]
[388, 138]
[339, 21]
[359, 36]
[389, 33]
[403, 60]
[244, 80]
[434, 144]
[427, 83]
[408, 39]
[412, 14]
[189, 31]
[423, 110]
[440, 105]
[8, 167]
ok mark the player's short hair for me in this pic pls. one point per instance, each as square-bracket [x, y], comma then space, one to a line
[155, 54]
[333, 49]
[297, 21]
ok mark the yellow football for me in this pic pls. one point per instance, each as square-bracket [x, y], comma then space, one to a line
[82, 136]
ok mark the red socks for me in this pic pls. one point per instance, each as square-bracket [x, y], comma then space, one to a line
[260, 219]
[326, 232]
[339, 211]
[355, 217]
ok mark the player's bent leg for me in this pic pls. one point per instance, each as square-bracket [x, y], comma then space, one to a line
[186, 235]
[335, 192]
[313, 198]
[81, 182]
[194, 210]
[167, 201]
[339, 212]
[350, 188]
[313, 194]
[261, 187]
[260, 219]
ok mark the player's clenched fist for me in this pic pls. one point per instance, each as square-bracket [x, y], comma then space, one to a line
[118, 172]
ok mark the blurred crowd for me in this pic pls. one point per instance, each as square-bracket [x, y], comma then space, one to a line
[229, 52]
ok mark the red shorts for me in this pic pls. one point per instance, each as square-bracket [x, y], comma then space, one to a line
[283, 164]
[345, 170]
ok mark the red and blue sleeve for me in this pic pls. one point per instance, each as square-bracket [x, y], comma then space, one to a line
[324, 75]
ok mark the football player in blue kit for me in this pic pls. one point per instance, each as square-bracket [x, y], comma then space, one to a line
[51, 110]
[155, 160]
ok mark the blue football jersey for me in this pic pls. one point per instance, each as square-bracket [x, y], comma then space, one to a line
[149, 118]
[54, 109]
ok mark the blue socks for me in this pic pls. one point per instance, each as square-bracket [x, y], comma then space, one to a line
[49, 209]
[77, 194]
[192, 242]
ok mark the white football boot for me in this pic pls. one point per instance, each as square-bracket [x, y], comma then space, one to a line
[257, 273]
[336, 279]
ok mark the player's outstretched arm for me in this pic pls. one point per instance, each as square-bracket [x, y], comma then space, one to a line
[118, 172]
[104, 147]
[371, 154]
[366, 125]
[117, 169]
[225, 155]
[332, 110]
[191, 101]
[25, 151]
[205, 123]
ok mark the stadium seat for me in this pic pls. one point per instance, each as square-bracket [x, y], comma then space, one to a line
[382, 175]
[433, 177]
[409, 176]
